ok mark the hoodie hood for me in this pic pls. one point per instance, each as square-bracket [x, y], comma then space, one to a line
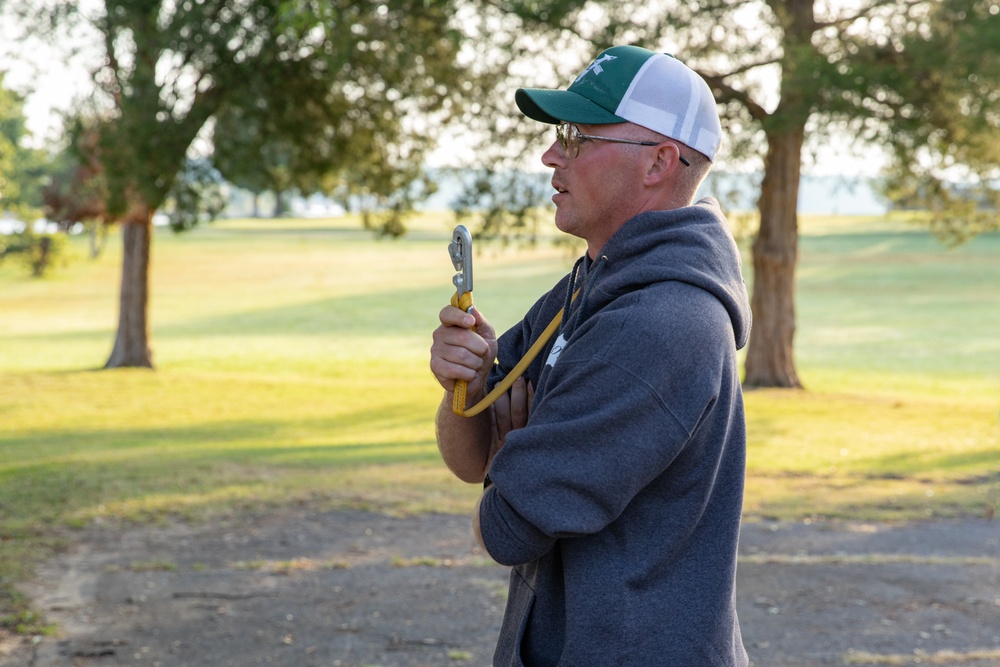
[692, 245]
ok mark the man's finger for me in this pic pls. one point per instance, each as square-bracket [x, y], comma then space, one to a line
[450, 316]
[456, 337]
[519, 403]
[501, 412]
[483, 326]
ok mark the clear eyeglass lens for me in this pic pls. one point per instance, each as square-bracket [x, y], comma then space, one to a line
[569, 139]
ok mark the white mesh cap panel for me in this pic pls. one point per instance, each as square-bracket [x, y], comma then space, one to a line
[668, 97]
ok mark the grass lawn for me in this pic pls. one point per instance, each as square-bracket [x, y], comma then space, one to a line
[292, 369]
[898, 347]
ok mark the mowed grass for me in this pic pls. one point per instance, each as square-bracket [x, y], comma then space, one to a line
[898, 345]
[292, 370]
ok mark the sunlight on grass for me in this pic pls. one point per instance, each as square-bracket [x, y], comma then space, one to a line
[292, 370]
[870, 456]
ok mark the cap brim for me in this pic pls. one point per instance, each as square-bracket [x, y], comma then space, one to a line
[555, 106]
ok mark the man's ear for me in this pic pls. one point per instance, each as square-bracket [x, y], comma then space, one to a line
[665, 161]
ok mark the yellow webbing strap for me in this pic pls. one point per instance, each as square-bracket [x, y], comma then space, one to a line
[465, 304]
[458, 407]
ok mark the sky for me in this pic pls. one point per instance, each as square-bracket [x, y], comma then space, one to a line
[50, 80]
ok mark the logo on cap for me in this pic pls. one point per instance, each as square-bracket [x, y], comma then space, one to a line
[595, 66]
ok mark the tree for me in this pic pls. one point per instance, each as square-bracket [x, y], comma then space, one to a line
[171, 67]
[249, 161]
[918, 78]
[876, 70]
[365, 143]
[261, 147]
[23, 171]
[10, 116]
[946, 153]
[77, 191]
[195, 196]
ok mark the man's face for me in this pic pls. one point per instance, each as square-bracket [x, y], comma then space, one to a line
[598, 190]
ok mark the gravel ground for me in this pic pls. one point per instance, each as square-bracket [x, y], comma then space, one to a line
[358, 589]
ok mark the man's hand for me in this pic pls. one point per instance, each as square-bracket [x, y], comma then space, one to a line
[459, 353]
[511, 410]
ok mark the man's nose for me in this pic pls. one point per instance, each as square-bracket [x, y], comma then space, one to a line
[554, 156]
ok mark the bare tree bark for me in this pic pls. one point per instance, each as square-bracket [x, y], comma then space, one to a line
[97, 231]
[770, 361]
[132, 348]
[279, 204]
[40, 256]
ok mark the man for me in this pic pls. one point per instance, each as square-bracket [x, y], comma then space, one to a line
[614, 469]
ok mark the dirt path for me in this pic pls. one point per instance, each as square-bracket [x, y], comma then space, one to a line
[358, 589]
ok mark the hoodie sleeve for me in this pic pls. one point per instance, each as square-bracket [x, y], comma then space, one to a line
[620, 405]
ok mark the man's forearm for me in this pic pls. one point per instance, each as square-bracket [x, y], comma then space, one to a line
[465, 443]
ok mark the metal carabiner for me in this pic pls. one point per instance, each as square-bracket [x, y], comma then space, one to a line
[460, 250]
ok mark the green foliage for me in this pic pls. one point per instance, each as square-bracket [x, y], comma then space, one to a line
[23, 174]
[196, 196]
[9, 189]
[77, 191]
[947, 158]
[155, 117]
[335, 120]
[39, 253]
[9, 113]
[304, 97]
[23, 171]
[506, 204]
[339, 70]
[917, 79]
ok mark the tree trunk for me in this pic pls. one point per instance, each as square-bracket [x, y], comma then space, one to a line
[279, 204]
[769, 361]
[40, 256]
[98, 233]
[132, 349]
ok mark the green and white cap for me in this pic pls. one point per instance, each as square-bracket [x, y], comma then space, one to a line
[632, 84]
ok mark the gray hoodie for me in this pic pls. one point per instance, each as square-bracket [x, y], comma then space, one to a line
[618, 505]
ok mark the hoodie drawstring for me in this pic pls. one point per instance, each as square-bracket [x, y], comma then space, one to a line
[592, 275]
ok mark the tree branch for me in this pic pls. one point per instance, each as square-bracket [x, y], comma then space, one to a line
[846, 21]
[726, 93]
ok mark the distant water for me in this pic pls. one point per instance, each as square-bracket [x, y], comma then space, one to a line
[836, 195]
[840, 195]
[826, 195]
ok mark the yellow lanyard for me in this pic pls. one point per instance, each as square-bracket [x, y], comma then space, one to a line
[458, 407]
